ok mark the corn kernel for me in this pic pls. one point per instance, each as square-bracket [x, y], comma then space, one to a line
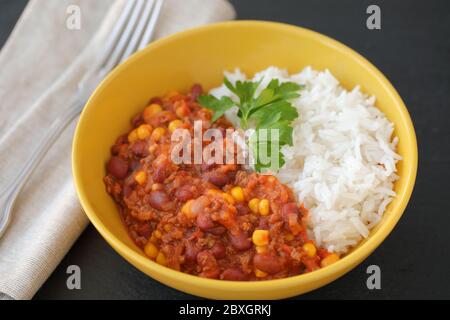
[174, 125]
[158, 133]
[253, 205]
[228, 198]
[151, 250]
[133, 136]
[238, 194]
[260, 274]
[181, 108]
[157, 187]
[310, 249]
[260, 237]
[181, 112]
[144, 131]
[186, 209]
[263, 207]
[141, 177]
[261, 249]
[161, 259]
[289, 237]
[168, 227]
[152, 148]
[151, 111]
[157, 234]
[330, 259]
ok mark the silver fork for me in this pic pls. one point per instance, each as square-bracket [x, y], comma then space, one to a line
[133, 30]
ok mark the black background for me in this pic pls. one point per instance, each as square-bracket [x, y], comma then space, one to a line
[413, 50]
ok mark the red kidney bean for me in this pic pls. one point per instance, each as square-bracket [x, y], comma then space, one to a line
[156, 100]
[242, 209]
[191, 252]
[184, 193]
[234, 274]
[196, 91]
[289, 208]
[160, 201]
[217, 231]
[115, 149]
[137, 121]
[218, 250]
[134, 164]
[123, 139]
[140, 148]
[118, 167]
[204, 221]
[268, 263]
[240, 242]
[218, 179]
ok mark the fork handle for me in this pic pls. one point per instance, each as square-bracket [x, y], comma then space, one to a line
[9, 195]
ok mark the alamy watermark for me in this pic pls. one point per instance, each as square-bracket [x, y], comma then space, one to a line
[74, 280]
[374, 280]
[374, 20]
[73, 20]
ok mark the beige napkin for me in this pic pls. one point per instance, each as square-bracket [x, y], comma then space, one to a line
[39, 68]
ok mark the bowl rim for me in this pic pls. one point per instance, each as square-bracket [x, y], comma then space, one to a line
[333, 271]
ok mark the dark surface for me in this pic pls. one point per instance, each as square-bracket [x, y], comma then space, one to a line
[413, 51]
[10, 11]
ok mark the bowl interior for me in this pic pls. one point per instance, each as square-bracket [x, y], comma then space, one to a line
[201, 56]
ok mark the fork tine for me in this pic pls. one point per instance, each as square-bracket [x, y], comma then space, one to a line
[116, 31]
[151, 25]
[125, 37]
[132, 46]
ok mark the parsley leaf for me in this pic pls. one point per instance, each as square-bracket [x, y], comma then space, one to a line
[219, 106]
[271, 109]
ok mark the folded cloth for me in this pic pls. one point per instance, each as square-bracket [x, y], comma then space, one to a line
[41, 65]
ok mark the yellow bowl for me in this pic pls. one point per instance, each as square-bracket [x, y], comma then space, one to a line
[200, 56]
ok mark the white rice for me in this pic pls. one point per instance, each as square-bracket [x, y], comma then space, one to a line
[343, 162]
